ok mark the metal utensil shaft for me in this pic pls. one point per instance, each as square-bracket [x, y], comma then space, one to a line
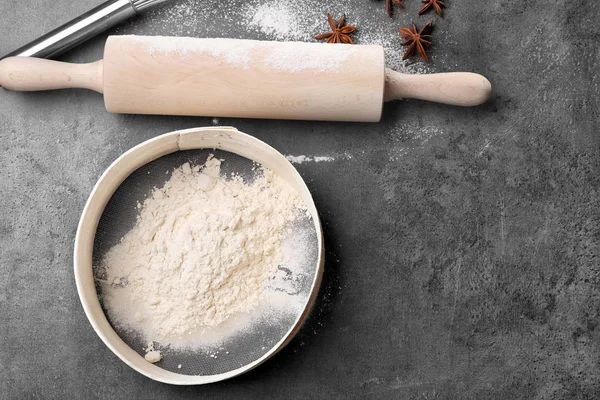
[78, 30]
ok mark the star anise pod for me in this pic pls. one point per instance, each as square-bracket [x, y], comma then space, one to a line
[416, 40]
[390, 8]
[436, 4]
[339, 33]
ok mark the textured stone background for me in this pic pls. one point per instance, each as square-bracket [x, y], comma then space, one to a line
[463, 244]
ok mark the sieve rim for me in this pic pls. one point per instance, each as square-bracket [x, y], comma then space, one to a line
[222, 138]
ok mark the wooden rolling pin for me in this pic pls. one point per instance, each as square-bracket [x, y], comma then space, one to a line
[243, 78]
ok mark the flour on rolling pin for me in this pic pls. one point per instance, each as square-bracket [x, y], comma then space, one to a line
[287, 57]
[243, 78]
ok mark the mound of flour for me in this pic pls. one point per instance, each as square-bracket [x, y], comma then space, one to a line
[202, 250]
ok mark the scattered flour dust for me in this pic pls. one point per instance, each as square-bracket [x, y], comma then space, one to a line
[204, 249]
[275, 19]
[299, 20]
[302, 159]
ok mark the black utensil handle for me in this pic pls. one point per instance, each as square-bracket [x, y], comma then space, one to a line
[78, 30]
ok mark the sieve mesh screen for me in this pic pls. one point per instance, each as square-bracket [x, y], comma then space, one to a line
[264, 330]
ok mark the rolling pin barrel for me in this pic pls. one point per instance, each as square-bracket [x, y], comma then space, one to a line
[243, 78]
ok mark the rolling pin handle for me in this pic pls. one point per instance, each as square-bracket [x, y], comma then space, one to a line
[455, 88]
[28, 74]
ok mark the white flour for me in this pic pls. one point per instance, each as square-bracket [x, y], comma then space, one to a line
[288, 57]
[204, 249]
[275, 19]
[301, 159]
[152, 356]
[288, 21]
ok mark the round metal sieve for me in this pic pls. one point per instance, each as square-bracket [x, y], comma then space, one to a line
[111, 212]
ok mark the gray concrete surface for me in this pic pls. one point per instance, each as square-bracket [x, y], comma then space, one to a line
[463, 244]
